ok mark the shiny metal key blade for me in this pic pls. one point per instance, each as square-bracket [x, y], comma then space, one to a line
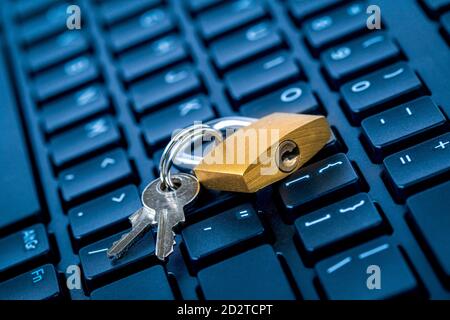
[141, 222]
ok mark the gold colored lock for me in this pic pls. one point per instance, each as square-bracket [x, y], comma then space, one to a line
[264, 152]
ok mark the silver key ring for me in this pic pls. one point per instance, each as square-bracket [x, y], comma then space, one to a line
[177, 143]
[186, 161]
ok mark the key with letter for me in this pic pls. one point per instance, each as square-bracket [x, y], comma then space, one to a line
[161, 207]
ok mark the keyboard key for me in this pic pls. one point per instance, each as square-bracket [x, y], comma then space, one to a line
[445, 22]
[333, 146]
[210, 201]
[160, 125]
[118, 10]
[74, 108]
[337, 224]
[429, 214]
[150, 284]
[152, 57]
[65, 77]
[394, 127]
[336, 25]
[96, 264]
[253, 275]
[222, 232]
[357, 56]
[16, 177]
[67, 45]
[147, 26]
[84, 140]
[47, 24]
[107, 212]
[241, 46]
[229, 16]
[164, 88]
[418, 165]
[303, 9]
[373, 92]
[317, 182]
[38, 284]
[296, 98]
[261, 76]
[354, 269]
[28, 8]
[435, 7]
[29, 245]
[93, 175]
[198, 5]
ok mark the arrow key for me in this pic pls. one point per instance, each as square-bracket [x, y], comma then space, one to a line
[92, 219]
[92, 176]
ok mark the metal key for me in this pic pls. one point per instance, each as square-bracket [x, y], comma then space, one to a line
[163, 208]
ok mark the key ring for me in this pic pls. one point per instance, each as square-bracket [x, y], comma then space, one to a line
[177, 143]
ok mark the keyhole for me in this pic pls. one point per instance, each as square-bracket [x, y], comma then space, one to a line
[288, 156]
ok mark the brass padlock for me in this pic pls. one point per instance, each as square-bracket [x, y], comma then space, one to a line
[264, 152]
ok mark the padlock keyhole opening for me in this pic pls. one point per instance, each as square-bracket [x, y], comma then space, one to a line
[288, 155]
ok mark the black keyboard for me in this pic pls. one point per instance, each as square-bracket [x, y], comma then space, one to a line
[85, 114]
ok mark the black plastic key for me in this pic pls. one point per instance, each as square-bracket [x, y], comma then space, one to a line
[317, 182]
[342, 222]
[229, 16]
[261, 75]
[149, 284]
[152, 57]
[303, 9]
[145, 27]
[65, 77]
[414, 167]
[336, 25]
[84, 140]
[38, 284]
[222, 232]
[160, 125]
[28, 8]
[253, 275]
[199, 5]
[352, 58]
[74, 108]
[333, 146]
[373, 92]
[164, 88]
[355, 269]
[393, 127]
[26, 246]
[429, 215]
[436, 7]
[93, 175]
[67, 45]
[97, 266]
[296, 98]
[93, 218]
[17, 175]
[47, 24]
[115, 11]
[243, 45]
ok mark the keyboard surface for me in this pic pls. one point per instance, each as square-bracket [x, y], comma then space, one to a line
[86, 113]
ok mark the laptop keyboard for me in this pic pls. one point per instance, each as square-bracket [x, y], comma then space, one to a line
[88, 111]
